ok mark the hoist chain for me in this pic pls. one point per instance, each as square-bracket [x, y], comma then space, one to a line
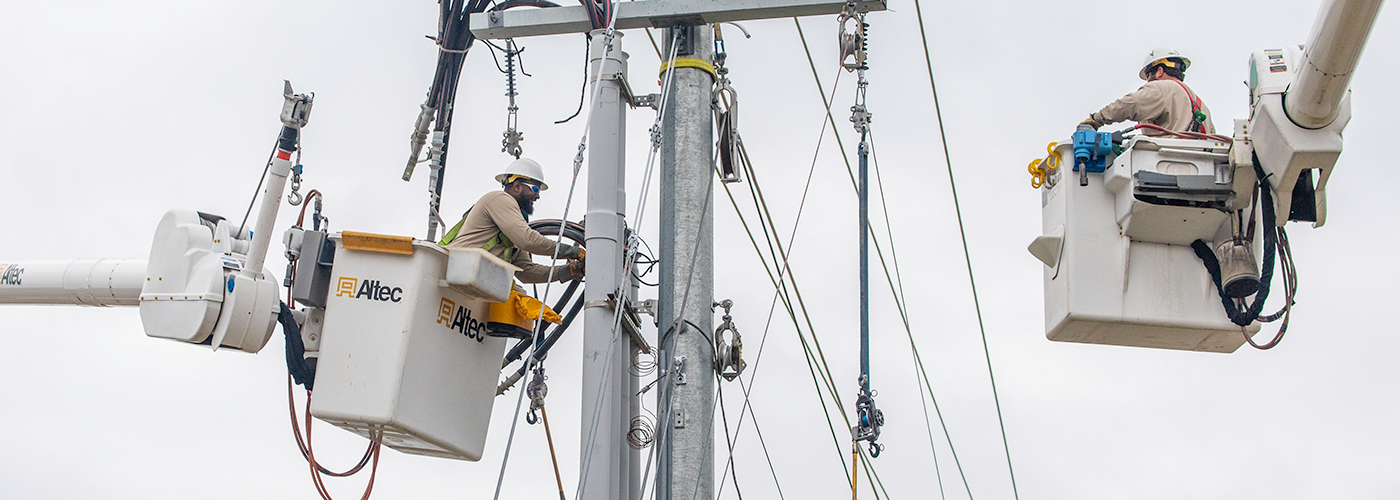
[511, 143]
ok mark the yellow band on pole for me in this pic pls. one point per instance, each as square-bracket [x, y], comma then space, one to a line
[690, 62]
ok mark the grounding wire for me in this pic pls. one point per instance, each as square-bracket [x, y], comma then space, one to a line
[630, 254]
[952, 184]
[568, 203]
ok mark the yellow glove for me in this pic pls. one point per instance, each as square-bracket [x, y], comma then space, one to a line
[1090, 121]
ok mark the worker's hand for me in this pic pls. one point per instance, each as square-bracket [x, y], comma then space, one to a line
[1091, 122]
[576, 268]
[567, 251]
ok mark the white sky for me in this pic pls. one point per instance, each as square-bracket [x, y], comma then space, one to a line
[113, 113]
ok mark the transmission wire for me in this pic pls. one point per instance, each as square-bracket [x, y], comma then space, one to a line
[952, 184]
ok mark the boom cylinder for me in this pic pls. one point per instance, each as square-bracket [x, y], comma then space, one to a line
[82, 282]
[1329, 59]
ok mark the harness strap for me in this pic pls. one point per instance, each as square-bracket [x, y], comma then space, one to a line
[1198, 117]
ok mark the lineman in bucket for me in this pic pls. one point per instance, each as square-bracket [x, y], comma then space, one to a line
[498, 224]
[1164, 100]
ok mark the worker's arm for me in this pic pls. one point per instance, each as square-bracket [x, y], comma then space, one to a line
[505, 213]
[1145, 105]
[530, 272]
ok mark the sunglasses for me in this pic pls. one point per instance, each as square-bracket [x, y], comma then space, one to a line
[534, 188]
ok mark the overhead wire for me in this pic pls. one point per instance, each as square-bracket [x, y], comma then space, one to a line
[967, 256]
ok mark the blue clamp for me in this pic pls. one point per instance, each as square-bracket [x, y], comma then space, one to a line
[1091, 148]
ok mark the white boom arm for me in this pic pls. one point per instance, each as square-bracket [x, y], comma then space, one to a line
[1329, 58]
[82, 282]
[1301, 104]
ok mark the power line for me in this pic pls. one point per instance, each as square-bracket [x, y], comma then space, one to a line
[952, 184]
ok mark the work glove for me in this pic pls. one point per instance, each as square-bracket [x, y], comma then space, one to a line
[576, 264]
[567, 251]
[1091, 122]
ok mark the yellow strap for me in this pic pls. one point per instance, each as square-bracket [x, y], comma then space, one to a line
[530, 307]
[690, 62]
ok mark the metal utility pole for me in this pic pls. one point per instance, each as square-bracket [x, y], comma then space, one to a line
[685, 466]
[685, 428]
[607, 398]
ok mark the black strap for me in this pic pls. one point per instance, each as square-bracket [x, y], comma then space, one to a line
[302, 372]
[1266, 275]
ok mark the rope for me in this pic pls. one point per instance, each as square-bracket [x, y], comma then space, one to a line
[552, 458]
[967, 256]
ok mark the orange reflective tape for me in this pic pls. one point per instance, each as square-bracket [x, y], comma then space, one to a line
[377, 242]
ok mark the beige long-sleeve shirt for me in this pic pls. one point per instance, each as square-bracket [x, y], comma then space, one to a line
[1164, 103]
[497, 212]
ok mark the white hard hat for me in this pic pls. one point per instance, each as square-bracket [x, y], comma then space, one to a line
[526, 168]
[1159, 54]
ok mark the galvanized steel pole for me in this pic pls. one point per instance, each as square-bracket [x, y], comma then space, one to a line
[685, 468]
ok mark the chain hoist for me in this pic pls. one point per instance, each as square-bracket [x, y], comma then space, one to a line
[729, 352]
[511, 143]
[536, 390]
[869, 418]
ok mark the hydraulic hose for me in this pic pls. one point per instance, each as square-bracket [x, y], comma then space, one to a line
[1266, 274]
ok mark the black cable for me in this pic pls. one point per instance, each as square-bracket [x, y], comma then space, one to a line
[1238, 316]
[587, 40]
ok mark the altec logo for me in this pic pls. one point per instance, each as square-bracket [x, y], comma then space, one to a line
[459, 318]
[10, 274]
[367, 289]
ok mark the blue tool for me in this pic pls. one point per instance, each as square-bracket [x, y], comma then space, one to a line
[1091, 150]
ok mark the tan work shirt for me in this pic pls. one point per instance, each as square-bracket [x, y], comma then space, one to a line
[498, 212]
[1163, 103]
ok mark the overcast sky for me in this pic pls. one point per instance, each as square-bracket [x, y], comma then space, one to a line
[113, 113]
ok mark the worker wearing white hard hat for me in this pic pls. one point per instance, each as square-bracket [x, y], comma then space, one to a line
[499, 224]
[1164, 101]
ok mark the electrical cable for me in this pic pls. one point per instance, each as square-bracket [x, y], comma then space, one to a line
[967, 255]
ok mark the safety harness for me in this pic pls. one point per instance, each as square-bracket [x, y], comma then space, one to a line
[1198, 117]
[500, 240]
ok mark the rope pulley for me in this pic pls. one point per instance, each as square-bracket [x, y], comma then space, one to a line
[726, 105]
[729, 352]
[852, 42]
